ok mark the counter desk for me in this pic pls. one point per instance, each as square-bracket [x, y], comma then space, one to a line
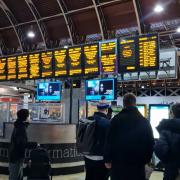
[58, 139]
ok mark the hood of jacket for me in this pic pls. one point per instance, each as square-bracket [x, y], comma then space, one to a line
[172, 125]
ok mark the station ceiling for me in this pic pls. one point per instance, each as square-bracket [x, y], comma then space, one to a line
[68, 22]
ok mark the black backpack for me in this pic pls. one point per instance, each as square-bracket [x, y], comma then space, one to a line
[86, 136]
[39, 166]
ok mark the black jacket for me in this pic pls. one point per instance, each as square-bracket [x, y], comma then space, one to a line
[102, 125]
[18, 142]
[129, 144]
[166, 147]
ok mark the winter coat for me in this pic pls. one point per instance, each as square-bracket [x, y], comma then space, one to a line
[18, 142]
[102, 125]
[129, 145]
[166, 147]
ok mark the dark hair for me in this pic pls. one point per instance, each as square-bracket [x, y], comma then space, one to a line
[129, 99]
[103, 97]
[22, 114]
[176, 110]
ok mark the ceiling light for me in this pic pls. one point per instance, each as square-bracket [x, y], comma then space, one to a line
[158, 8]
[178, 29]
[65, 47]
[31, 34]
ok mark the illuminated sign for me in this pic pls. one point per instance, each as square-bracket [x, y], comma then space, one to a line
[22, 63]
[75, 65]
[11, 68]
[60, 62]
[34, 70]
[148, 52]
[108, 56]
[128, 60]
[91, 59]
[2, 68]
[46, 64]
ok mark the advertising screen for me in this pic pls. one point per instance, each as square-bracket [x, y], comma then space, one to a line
[157, 113]
[142, 109]
[49, 91]
[97, 88]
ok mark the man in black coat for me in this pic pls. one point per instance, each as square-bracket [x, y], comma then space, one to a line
[94, 164]
[167, 148]
[18, 145]
[129, 144]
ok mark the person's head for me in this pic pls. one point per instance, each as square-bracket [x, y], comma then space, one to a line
[129, 100]
[176, 110]
[103, 108]
[22, 115]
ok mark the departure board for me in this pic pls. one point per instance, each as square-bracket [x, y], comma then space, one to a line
[149, 52]
[46, 64]
[108, 56]
[11, 68]
[128, 59]
[91, 59]
[74, 57]
[2, 69]
[60, 57]
[22, 66]
[34, 68]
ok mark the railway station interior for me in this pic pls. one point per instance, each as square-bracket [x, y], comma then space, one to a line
[58, 58]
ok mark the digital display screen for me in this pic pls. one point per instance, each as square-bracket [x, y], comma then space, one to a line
[60, 57]
[157, 113]
[97, 88]
[49, 91]
[22, 62]
[3, 68]
[149, 52]
[46, 64]
[108, 56]
[11, 68]
[34, 66]
[91, 59]
[128, 60]
[75, 65]
[142, 109]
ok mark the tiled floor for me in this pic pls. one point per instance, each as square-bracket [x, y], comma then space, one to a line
[155, 176]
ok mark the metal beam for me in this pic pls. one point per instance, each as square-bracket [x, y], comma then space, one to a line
[101, 21]
[139, 16]
[32, 8]
[68, 21]
[8, 13]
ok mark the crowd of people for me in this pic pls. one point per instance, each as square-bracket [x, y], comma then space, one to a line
[124, 144]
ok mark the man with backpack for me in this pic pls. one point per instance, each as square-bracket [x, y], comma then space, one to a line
[167, 148]
[94, 160]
